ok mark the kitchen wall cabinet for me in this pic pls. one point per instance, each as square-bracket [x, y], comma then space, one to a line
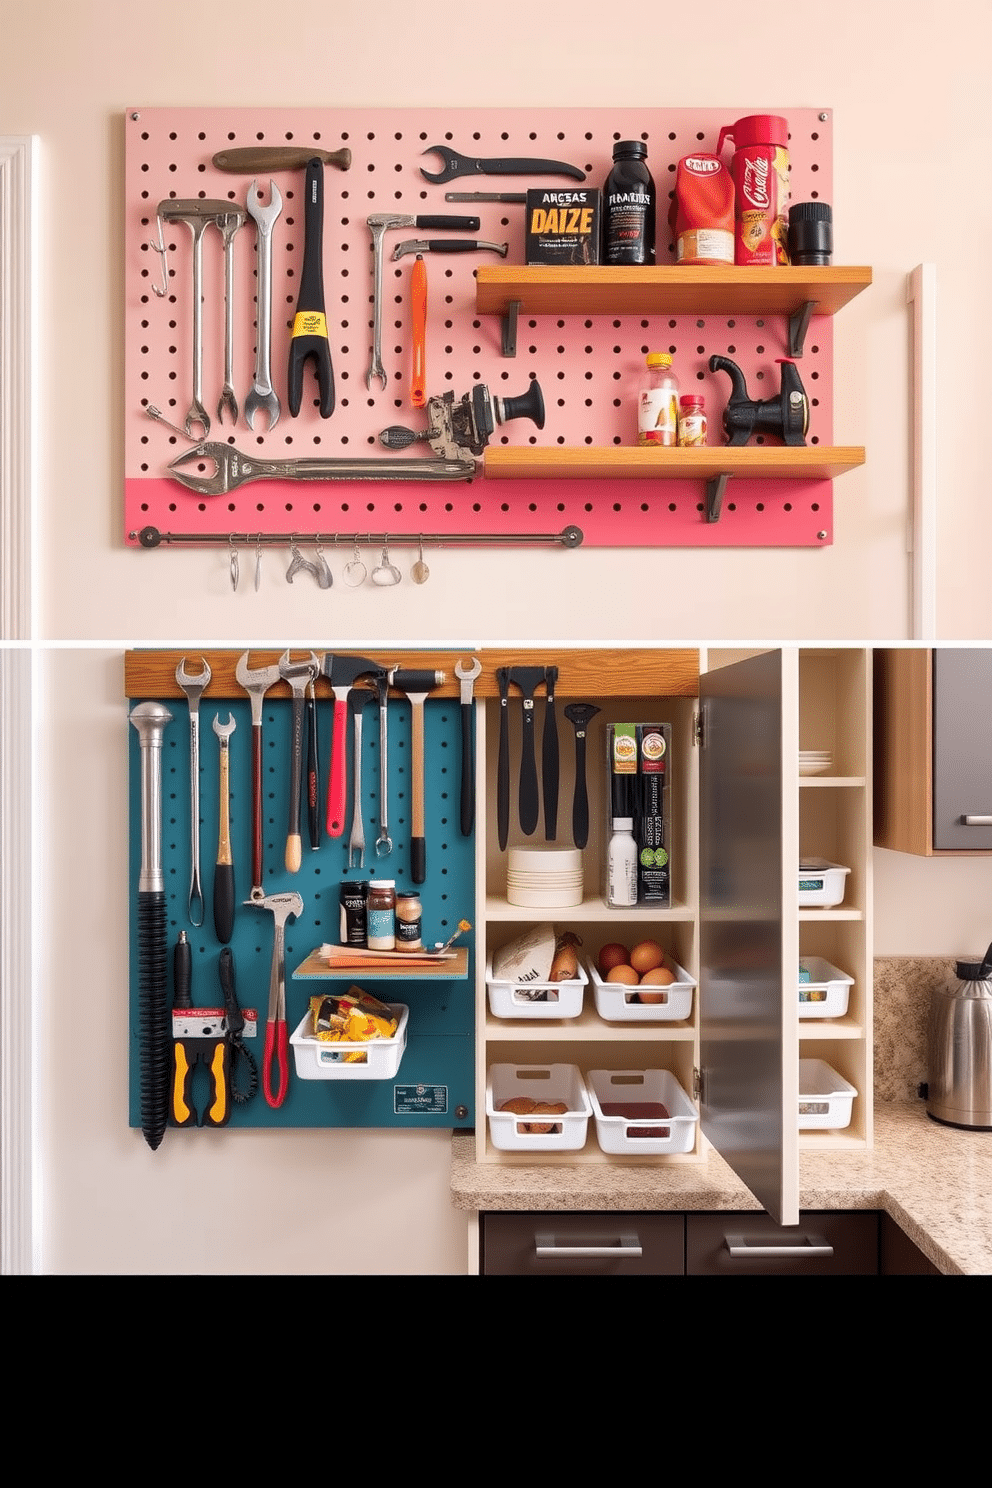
[933, 756]
[824, 704]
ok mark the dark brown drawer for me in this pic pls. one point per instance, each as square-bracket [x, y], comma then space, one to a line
[582, 1244]
[828, 1243]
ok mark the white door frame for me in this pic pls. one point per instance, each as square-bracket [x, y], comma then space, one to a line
[18, 505]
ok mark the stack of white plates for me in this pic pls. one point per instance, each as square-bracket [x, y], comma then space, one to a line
[815, 761]
[544, 877]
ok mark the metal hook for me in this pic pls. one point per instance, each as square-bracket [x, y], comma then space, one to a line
[386, 574]
[162, 251]
[235, 564]
[355, 572]
[322, 573]
[258, 562]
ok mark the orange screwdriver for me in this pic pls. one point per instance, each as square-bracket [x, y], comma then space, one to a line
[418, 303]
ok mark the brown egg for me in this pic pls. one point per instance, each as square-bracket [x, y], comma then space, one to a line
[613, 954]
[646, 956]
[624, 973]
[658, 976]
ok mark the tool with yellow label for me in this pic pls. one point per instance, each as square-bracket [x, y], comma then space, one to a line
[309, 337]
[199, 1035]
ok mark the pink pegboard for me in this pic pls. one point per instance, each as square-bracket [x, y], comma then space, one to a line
[588, 368]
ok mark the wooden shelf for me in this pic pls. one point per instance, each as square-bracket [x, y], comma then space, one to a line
[634, 462]
[667, 291]
[450, 970]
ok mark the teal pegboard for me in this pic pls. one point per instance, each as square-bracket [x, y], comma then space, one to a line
[434, 1086]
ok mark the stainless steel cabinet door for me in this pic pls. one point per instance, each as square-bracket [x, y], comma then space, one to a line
[749, 923]
[962, 748]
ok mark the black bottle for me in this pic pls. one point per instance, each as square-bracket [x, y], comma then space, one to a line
[629, 206]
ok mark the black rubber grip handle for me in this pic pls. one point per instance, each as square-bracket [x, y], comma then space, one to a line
[154, 1034]
[503, 776]
[549, 760]
[452, 245]
[309, 338]
[580, 801]
[235, 1017]
[182, 973]
[468, 773]
[457, 224]
[418, 859]
[529, 804]
[224, 902]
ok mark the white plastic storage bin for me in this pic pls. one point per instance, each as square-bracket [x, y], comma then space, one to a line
[616, 1002]
[379, 1058]
[514, 1132]
[536, 999]
[826, 993]
[821, 883]
[645, 1135]
[825, 1097]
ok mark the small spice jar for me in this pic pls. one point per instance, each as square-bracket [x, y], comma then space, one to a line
[409, 922]
[692, 419]
[381, 915]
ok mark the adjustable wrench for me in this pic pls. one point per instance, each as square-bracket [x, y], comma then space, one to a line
[193, 686]
[262, 397]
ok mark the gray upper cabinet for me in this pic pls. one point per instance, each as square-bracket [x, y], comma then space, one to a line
[933, 750]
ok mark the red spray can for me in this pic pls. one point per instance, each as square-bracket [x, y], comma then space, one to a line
[761, 183]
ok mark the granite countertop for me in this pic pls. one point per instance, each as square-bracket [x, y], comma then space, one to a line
[935, 1182]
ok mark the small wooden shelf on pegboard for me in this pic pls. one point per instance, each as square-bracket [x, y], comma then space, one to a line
[710, 291]
[636, 462]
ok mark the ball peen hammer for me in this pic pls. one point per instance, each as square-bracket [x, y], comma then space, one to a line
[416, 685]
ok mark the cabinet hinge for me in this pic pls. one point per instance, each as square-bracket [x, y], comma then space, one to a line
[698, 729]
[697, 1084]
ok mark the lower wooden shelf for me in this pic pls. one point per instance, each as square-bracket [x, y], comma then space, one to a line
[634, 462]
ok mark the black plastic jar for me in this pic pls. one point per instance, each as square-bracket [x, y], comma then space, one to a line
[629, 207]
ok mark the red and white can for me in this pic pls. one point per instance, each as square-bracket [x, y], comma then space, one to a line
[760, 171]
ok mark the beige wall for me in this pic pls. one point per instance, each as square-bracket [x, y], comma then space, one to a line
[911, 143]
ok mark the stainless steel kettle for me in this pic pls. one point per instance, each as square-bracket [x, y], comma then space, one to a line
[959, 1089]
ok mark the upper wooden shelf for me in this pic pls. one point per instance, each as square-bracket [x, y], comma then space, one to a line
[635, 462]
[668, 290]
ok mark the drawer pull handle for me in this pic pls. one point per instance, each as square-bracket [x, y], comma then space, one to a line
[815, 1245]
[977, 821]
[624, 1247]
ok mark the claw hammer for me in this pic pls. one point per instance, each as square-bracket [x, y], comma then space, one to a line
[416, 685]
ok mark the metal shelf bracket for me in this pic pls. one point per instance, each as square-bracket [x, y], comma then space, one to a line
[510, 328]
[798, 326]
[715, 489]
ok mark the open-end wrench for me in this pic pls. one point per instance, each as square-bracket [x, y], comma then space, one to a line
[299, 675]
[283, 907]
[256, 684]
[229, 224]
[470, 165]
[193, 686]
[262, 397]
[224, 869]
[197, 213]
[466, 676]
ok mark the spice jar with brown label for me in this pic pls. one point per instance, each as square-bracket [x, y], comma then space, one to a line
[381, 915]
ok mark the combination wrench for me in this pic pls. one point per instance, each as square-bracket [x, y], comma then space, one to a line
[193, 686]
[229, 224]
[262, 397]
